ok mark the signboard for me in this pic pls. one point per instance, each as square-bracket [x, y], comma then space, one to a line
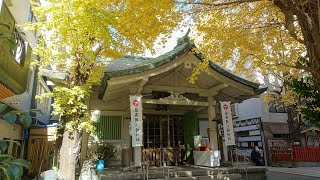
[136, 130]
[227, 123]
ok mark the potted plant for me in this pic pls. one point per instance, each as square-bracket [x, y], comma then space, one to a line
[88, 167]
[105, 152]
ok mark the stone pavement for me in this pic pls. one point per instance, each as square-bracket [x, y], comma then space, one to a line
[301, 171]
[185, 172]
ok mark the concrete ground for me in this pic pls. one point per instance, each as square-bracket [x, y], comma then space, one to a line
[283, 173]
[183, 172]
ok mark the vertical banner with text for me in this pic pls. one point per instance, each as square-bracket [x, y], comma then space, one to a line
[136, 130]
[227, 123]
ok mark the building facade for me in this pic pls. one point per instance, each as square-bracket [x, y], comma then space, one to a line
[173, 109]
[257, 123]
[19, 80]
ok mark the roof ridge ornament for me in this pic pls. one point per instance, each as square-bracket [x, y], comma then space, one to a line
[176, 97]
[184, 39]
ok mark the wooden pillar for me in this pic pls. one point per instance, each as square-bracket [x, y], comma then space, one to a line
[213, 129]
[137, 156]
[137, 151]
[225, 152]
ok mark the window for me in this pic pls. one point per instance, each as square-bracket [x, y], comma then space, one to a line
[277, 107]
[8, 147]
[109, 127]
[163, 131]
[42, 101]
[234, 110]
[31, 18]
[20, 52]
[285, 136]
[16, 148]
[203, 126]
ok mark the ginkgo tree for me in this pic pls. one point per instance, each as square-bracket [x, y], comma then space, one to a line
[278, 39]
[76, 36]
[279, 36]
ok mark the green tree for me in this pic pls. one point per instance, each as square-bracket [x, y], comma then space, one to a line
[279, 37]
[10, 168]
[310, 98]
[259, 35]
[79, 37]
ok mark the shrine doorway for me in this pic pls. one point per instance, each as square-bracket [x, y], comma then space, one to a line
[163, 139]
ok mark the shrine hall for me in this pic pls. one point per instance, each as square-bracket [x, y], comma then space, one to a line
[148, 109]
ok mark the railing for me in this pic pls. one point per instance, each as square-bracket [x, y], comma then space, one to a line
[163, 157]
[294, 154]
[245, 159]
[306, 154]
[159, 156]
[281, 154]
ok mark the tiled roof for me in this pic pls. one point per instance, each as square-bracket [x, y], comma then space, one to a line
[135, 64]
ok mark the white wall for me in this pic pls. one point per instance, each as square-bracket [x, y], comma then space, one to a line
[22, 101]
[9, 131]
[203, 125]
[257, 107]
[275, 117]
[20, 10]
[249, 109]
[272, 117]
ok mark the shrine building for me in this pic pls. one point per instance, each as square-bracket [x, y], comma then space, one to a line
[173, 110]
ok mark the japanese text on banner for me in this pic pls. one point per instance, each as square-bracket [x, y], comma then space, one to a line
[227, 123]
[136, 120]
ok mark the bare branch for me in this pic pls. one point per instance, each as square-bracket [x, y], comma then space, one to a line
[265, 78]
[287, 10]
[296, 66]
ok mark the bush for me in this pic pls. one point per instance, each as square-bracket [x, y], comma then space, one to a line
[106, 151]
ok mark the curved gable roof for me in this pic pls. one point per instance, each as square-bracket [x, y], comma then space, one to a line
[134, 64]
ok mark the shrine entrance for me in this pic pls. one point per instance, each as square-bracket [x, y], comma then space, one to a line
[163, 139]
[163, 131]
[163, 86]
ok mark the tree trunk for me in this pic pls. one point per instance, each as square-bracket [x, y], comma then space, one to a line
[294, 124]
[307, 15]
[316, 76]
[68, 155]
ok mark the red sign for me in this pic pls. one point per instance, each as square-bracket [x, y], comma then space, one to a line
[135, 103]
[225, 107]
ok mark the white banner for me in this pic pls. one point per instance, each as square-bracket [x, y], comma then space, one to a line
[227, 123]
[136, 129]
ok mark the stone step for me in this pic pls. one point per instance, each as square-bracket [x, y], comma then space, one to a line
[214, 177]
[187, 175]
